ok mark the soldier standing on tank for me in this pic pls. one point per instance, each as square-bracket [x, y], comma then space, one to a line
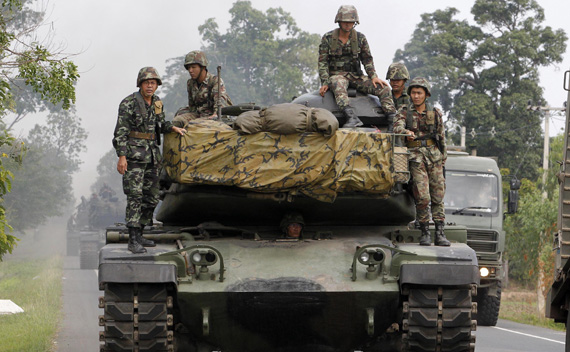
[203, 95]
[340, 56]
[140, 120]
[398, 75]
[423, 125]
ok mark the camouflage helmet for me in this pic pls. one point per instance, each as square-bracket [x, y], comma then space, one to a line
[147, 73]
[195, 57]
[420, 82]
[346, 13]
[291, 218]
[397, 70]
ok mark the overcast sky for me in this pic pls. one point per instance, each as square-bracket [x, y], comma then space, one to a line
[115, 38]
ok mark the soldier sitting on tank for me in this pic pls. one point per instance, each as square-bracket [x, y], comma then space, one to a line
[292, 225]
[340, 56]
[398, 75]
[203, 96]
[423, 125]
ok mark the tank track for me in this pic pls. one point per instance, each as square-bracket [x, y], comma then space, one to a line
[488, 307]
[137, 317]
[438, 319]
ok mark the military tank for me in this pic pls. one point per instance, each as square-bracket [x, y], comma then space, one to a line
[226, 275]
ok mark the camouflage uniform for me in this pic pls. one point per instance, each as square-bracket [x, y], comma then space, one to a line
[399, 71]
[426, 162]
[202, 97]
[140, 181]
[339, 68]
[403, 100]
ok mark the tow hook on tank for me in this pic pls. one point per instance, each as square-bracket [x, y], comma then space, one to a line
[372, 256]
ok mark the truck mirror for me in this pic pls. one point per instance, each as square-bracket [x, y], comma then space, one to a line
[513, 200]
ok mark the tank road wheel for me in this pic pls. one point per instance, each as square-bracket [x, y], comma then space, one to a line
[488, 307]
[88, 255]
[138, 317]
[438, 319]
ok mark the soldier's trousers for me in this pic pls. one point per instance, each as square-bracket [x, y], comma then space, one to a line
[341, 83]
[140, 185]
[429, 189]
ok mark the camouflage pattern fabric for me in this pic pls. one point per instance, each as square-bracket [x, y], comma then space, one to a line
[339, 62]
[336, 69]
[397, 70]
[304, 163]
[346, 13]
[426, 163]
[403, 100]
[203, 99]
[340, 84]
[147, 73]
[140, 184]
[142, 154]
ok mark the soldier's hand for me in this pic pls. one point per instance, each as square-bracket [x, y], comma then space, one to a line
[179, 130]
[411, 136]
[122, 165]
[323, 90]
[377, 80]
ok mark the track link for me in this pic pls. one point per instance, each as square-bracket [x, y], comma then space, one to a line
[438, 319]
[137, 317]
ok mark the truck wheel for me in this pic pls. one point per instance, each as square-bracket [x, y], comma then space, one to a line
[488, 307]
[138, 317]
[88, 255]
[438, 319]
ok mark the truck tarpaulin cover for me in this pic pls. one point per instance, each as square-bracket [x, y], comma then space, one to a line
[304, 163]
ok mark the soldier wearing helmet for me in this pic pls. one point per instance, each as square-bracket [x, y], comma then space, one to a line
[292, 225]
[423, 125]
[341, 53]
[140, 120]
[202, 90]
[398, 75]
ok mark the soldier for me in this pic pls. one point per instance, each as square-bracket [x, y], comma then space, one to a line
[423, 125]
[292, 225]
[398, 75]
[136, 143]
[202, 91]
[340, 54]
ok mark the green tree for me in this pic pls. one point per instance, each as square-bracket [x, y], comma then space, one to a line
[483, 75]
[42, 184]
[26, 62]
[266, 58]
[107, 174]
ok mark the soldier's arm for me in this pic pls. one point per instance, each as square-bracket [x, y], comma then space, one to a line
[441, 133]
[123, 127]
[366, 57]
[222, 100]
[323, 65]
[400, 124]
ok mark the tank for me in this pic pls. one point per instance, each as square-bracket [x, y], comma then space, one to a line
[86, 227]
[227, 273]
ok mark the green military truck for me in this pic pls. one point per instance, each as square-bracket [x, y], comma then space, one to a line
[474, 198]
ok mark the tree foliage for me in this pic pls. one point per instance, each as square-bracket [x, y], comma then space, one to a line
[484, 74]
[42, 184]
[33, 74]
[108, 175]
[266, 58]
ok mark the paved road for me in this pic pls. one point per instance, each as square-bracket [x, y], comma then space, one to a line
[514, 337]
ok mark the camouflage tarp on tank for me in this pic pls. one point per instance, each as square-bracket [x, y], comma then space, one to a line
[305, 163]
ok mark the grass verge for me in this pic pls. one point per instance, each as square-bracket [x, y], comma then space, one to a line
[520, 305]
[34, 285]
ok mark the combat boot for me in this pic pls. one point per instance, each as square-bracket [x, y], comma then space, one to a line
[142, 240]
[440, 239]
[425, 238]
[134, 245]
[352, 119]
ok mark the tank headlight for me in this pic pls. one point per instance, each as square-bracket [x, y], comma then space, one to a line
[364, 257]
[483, 271]
[196, 257]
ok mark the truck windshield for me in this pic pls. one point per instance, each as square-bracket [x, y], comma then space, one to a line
[471, 192]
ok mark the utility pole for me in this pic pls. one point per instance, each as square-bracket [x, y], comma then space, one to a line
[547, 109]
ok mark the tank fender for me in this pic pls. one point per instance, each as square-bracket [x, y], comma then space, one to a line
[446, 274]
[137, 273]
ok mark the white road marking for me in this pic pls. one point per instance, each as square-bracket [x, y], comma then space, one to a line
[536, 337]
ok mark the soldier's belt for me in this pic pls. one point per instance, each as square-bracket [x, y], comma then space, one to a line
[142, 135]
[420, 143]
